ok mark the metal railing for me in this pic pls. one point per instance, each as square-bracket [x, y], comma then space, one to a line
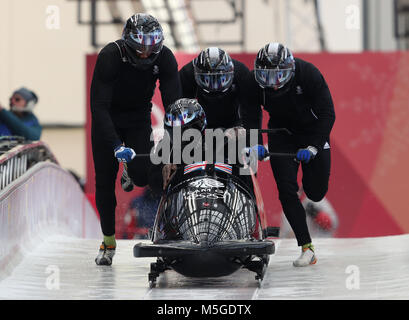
[17, 155]
[174, 15]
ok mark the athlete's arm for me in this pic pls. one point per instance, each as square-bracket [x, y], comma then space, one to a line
[187, 80]
[323, 106]
[106, 73]
[170, 87]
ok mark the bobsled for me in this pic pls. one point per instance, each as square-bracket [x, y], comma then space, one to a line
[208, 224]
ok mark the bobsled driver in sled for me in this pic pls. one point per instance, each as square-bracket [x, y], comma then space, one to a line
[188, 143]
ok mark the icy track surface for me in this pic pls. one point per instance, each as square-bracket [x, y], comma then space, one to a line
[64, 268]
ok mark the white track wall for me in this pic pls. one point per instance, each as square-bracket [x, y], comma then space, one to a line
[45, 201]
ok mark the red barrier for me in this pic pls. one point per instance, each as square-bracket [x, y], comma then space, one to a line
[369, 177]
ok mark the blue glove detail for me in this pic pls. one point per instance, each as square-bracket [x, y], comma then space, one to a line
[258, 151]
[261, 151]
[306, 155]
[124, 154]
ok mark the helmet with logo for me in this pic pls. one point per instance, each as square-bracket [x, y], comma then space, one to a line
[185, 114]
[274, 66]
[214, 70]
[143, 40]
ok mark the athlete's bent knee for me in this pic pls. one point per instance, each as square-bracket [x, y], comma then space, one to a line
[316, 195]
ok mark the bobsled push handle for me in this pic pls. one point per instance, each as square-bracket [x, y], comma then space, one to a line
[277, 130]
[280, 154]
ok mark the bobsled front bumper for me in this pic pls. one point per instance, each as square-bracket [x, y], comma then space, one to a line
[183, 248]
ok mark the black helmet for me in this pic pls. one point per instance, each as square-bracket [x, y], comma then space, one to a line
[274, 66]
[143, 37]
[186, 114]
[214, 70]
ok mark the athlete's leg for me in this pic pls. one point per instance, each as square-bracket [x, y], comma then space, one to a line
[106, 168]
[316, 175]
[285, 173]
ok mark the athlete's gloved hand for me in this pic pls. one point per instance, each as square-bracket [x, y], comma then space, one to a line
[258, 151]
[124, 154]
[307, 154]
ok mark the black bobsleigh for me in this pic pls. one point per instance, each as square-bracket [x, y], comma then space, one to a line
[208, 225]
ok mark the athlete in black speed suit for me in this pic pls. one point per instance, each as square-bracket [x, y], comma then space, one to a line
[122, 87]
[217, 82]
[297, 98]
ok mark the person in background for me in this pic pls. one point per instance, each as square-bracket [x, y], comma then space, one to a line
[140, 216]
[20, 119]
[322, 218]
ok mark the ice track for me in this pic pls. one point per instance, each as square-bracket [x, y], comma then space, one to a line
[50, 236]
[371, 268]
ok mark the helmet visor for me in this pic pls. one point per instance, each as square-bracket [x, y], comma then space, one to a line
[214, 81]
[147, 43]
[270, 78]
[180, 118]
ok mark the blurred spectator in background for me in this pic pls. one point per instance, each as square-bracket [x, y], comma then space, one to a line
[140, 216]
[20, 120]
[322, 219]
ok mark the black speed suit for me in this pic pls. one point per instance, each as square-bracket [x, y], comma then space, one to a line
[307, 110]
[223, 110]
[121, 113]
